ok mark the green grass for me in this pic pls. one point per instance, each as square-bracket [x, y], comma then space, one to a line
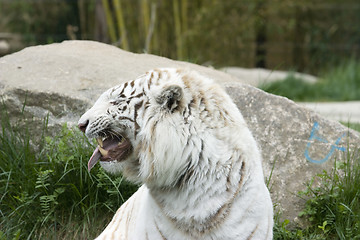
[49, 193]
[341, 83]
[355, 126]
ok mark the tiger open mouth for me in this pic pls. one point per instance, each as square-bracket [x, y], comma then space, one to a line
[109, 149]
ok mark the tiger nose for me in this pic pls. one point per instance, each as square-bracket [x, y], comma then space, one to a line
[83, 126]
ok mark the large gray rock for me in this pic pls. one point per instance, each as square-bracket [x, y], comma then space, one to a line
[63, 80]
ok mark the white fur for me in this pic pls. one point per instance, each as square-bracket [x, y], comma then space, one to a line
[199, 165]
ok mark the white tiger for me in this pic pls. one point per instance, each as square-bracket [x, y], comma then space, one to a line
[182, 137]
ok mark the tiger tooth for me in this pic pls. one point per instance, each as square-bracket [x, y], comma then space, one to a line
[100, 142]
[103, 151]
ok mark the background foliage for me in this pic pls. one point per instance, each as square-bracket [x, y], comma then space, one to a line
[276, 34]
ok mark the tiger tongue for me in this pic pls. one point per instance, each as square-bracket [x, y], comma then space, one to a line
[94, 158]
[102, 151]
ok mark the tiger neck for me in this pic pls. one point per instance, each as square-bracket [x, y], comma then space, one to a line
[204, 203]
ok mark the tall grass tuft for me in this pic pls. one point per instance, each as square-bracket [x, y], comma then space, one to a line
[48, 193]
[292, 88]
[341, 83]
[334, 206]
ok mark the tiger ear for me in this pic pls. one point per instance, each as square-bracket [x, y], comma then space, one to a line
[170, 97]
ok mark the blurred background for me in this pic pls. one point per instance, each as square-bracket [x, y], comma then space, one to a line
[306, 36]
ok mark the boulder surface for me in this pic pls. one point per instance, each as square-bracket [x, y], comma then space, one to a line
[62, 80]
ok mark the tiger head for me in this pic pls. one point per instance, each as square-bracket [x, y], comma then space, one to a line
[155, 129]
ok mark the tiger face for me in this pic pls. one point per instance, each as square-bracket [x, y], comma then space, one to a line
[139, 122]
